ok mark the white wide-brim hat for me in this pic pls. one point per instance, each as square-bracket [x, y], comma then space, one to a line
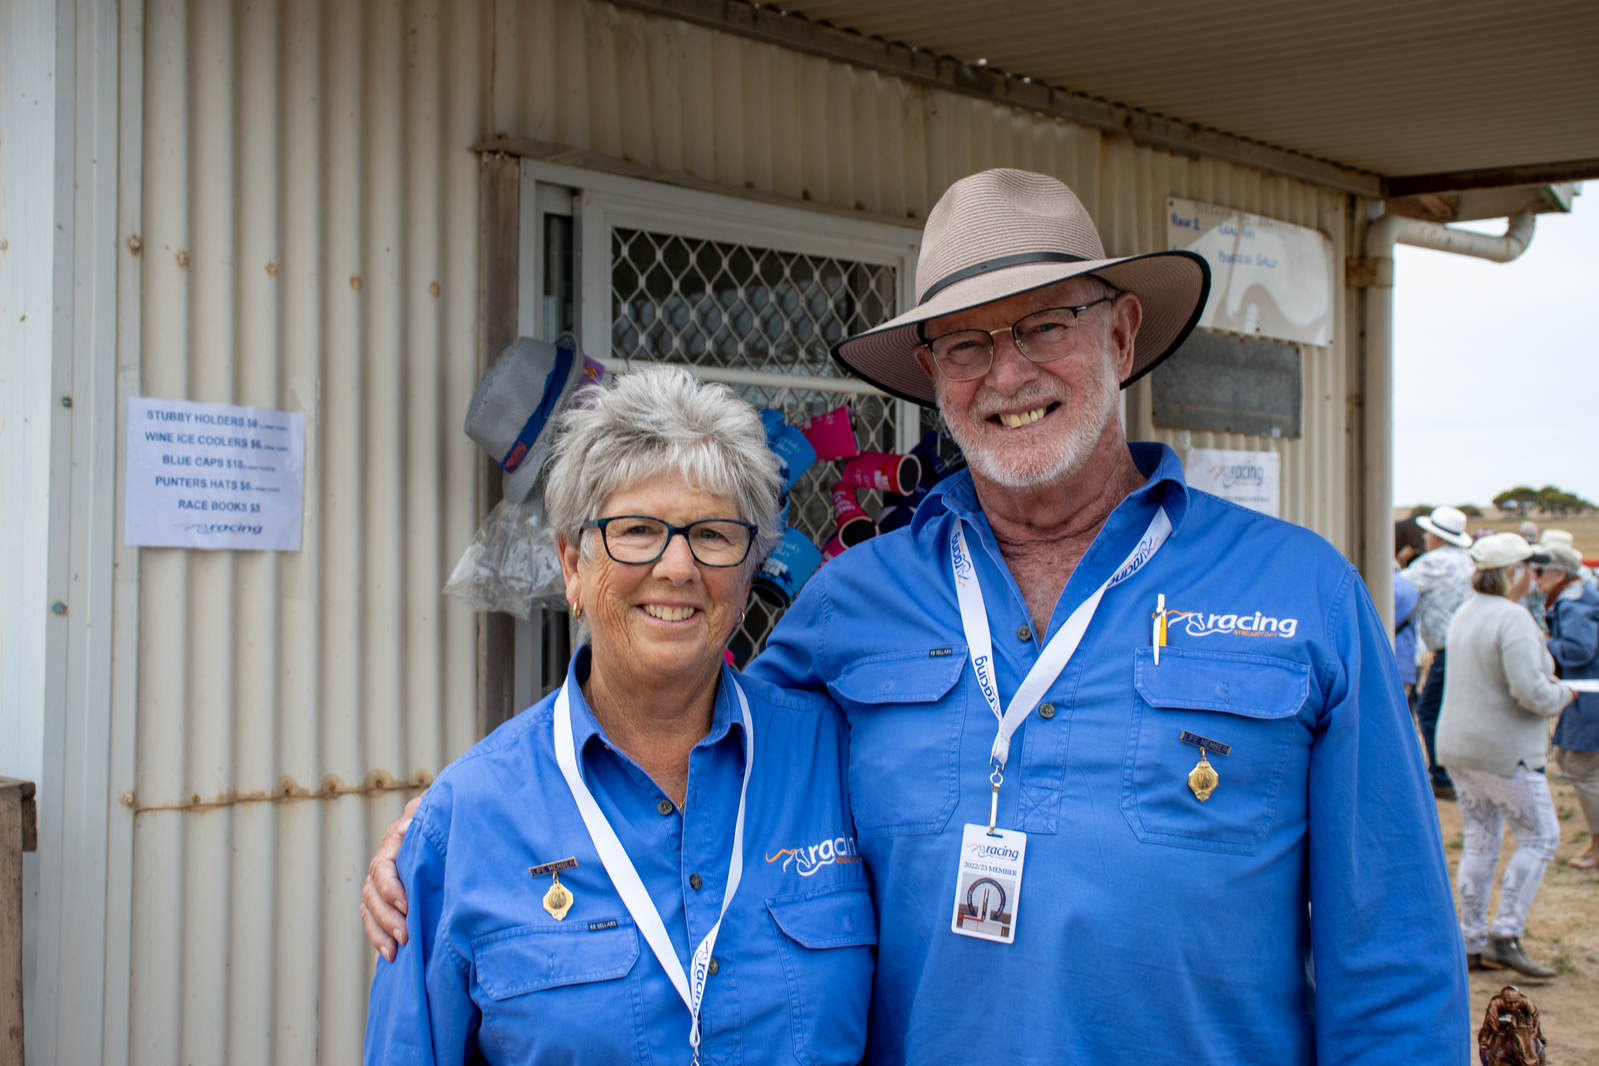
[1447, 523]
[1003, 232]
[513, 408]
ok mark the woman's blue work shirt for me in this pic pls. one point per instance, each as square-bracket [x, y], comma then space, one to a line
[488, 975]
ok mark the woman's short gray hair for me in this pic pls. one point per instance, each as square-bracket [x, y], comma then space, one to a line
[654, 421]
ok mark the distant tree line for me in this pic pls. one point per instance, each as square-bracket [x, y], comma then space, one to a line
[1524, 500]
[1549, 500]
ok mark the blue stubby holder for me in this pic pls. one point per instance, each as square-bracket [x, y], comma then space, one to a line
[791, 563]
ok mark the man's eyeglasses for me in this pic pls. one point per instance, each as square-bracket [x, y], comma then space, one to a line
[1042, 337]
[1537, 571]
[636, 539]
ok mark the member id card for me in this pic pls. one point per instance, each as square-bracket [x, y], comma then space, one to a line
[988, 883]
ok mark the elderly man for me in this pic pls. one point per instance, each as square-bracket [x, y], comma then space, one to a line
[1442, 577]
[1571, 617]
[1171, 726]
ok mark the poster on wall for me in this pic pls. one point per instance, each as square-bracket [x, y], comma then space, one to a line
[1250, 479]
[212, 475]
[1267, 278]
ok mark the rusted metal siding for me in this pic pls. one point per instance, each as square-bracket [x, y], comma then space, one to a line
[307, 240]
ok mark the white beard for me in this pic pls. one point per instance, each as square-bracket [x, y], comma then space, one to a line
[1017, 468]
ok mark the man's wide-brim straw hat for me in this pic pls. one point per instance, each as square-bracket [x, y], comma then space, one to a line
[1003, 232]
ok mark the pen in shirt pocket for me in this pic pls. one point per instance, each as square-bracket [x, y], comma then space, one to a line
[1157, 638]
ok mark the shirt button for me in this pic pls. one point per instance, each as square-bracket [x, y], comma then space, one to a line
[714, 966]
[665, 806]
[694, 882]
[1024, 633]
[1046, 710]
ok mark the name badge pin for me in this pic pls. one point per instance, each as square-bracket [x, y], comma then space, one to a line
[1203, 778]
[558, 900]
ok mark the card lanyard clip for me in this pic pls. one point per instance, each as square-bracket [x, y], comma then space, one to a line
[995, 779]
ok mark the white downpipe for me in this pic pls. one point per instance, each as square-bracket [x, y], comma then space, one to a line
[1378, 385]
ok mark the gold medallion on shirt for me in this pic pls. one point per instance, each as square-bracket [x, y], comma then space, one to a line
[1203, 778]
[558, 900]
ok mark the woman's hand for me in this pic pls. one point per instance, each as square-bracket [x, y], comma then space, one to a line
[383, 904]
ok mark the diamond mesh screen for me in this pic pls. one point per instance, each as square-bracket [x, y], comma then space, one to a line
[709, 303]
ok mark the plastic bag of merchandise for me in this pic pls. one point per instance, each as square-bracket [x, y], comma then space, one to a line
[511, 565]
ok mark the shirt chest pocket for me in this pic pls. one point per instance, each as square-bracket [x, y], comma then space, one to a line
[824, 943]
[906, 711]
[552, 994]
[1250, 704]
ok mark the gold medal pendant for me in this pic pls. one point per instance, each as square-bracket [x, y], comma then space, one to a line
[558, 900]
[1203, 779]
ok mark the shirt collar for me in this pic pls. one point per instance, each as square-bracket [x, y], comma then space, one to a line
[725, 715]
[1165, 485]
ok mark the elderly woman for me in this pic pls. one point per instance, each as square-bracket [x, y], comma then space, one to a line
[1571, 611]
[625, 872]
[1498, 691]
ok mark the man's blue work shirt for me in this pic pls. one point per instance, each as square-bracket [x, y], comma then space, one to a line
[489, 976]
[1152, 927]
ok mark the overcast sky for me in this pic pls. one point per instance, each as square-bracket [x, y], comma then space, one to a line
[1496, 366]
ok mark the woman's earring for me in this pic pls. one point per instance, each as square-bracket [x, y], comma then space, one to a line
[577, 612]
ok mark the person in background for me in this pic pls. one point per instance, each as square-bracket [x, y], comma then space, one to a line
[1571, 612]
[1563, 536]
[1408, 543]
[624, 872]
[1442, 577]
[1491, 735]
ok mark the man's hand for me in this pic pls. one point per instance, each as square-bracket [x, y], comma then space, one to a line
[383, 904]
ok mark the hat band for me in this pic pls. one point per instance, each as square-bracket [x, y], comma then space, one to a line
[535, 421]
[1001, 263]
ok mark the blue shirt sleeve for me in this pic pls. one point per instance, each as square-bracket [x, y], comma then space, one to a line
[1405, 597]
[421, 1010]
[1390, 972]
[792, 656]
[1576, 642]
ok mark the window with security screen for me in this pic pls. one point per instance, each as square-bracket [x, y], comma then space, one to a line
[747, 293]
[707, 303]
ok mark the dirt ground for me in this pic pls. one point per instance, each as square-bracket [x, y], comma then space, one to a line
[1562, 932]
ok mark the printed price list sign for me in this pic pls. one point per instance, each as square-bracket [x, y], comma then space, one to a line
[212, 475]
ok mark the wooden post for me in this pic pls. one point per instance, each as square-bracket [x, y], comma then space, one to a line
[19, 832]
[499, 230]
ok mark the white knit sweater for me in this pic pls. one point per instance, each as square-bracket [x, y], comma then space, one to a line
[1499, 687]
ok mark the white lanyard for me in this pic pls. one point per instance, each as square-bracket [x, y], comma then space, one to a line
[626, 879]
[1057, 653]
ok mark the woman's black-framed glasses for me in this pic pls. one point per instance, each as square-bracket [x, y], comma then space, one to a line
[1041, 337]
[636, 539]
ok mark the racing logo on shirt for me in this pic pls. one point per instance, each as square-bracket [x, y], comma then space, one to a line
[1254, 624]
[806, 860]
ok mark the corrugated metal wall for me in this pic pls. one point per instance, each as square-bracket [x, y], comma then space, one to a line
[307, 239]
[744, 114]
